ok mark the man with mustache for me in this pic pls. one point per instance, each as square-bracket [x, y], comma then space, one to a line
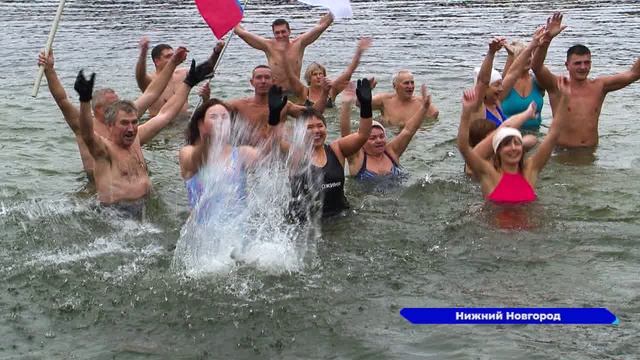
[101, 99]
[120, 173]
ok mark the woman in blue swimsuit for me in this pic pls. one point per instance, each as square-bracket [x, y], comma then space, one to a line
[378, 158]
[525, 90]
[489, 84]
[210, 126]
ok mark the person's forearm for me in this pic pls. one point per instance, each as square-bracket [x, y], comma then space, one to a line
[55, 86]
[141, 71]
[484, 76]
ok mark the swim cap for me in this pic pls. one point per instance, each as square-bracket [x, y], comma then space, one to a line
[503, 133]
[378, 124]
[495, 76]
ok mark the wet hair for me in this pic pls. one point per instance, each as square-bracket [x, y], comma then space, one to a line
[497, 163]
[578, 49]
[479, 129]
[310, 112]
[314, 66]
[99, 96]
[157, 50]
[192, 133]
[278, 22]
[111, 113]
[253, 72]
[394, 79]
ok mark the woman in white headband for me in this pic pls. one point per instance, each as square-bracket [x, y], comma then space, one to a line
[509, 178]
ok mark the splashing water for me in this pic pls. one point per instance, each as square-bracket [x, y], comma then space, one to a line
[242, 217]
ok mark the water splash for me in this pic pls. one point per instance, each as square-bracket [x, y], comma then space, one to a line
[245, 221]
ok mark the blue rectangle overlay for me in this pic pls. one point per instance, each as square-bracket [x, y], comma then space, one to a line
[486, 316]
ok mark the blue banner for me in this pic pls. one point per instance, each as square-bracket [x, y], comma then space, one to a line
[486, 316]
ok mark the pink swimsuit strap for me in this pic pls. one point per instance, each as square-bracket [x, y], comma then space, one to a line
[512, 188]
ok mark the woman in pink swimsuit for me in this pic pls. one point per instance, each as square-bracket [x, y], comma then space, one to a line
[509, 178]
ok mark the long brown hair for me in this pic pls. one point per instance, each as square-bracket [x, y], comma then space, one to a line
[192, 132]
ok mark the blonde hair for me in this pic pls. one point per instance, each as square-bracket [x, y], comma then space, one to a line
[314, 66]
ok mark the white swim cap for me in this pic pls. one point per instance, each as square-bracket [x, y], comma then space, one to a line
[495, 76]
[503, 133]
[378, 124]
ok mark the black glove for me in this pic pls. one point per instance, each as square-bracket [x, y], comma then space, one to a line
[199, 73]
[84, 87]
[363, 92]
[277, 102]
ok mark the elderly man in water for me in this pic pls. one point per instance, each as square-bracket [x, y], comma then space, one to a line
[120, 171]
[400, 106]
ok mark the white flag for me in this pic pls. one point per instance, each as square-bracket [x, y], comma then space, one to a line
[339, 8]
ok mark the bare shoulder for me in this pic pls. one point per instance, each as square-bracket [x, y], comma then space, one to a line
[235, 104]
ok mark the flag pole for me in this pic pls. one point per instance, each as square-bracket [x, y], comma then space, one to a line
[215, 67]
[47, 49]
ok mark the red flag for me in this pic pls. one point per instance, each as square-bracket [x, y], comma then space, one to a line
[220, 15]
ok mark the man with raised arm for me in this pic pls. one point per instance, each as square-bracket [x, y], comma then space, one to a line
[400, 106]
[281, 44]
[587, 95]
[161, 56]
[120, 171]
[255, 109]
[102, 98]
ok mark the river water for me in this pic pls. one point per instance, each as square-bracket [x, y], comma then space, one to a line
[79, 282]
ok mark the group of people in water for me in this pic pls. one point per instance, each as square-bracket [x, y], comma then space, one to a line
[499, 122]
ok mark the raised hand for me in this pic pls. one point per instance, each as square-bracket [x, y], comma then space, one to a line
[326, 84]
[538, 36]
[510, 49]
[564, 86]
[349, 93]
[426, 96]
[496, 44]
[143, 44]
[277, 102]
[217, 50]
[469, 99]
[205, 92]
[531, 110]
[554, 25]
[373, 82]
[84, 87]
[198, 73]
[363, 92]
[364, 44]
[179, 55]
[635, 68]
[46, 61]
